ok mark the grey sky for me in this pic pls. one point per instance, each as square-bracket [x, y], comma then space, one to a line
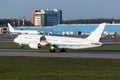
[72, 9]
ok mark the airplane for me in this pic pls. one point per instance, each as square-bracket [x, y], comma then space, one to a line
[61, 42]
[12, 30]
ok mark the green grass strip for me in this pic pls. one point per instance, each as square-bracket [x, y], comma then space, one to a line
[30, 68]
[12, 45]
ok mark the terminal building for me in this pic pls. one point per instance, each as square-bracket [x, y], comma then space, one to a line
[46, 17]
[3, 30]
[84, 29]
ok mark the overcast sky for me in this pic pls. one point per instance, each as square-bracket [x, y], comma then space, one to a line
[72, 9]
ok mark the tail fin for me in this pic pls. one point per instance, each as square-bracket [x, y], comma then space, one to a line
[96, 34]
[10, 27]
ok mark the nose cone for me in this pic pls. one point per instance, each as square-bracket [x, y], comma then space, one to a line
[15, 40]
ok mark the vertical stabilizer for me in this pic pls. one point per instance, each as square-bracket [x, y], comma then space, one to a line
[96, 34]
[10, 28]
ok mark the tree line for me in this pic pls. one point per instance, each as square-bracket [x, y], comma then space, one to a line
[19, 22]
[91, 21]
[14, 22]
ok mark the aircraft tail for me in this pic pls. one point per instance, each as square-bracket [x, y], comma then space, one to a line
[96, 34]
[10, 27]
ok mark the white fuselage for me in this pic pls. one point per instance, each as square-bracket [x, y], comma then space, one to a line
[60, 42]
[12, 30]
[25, 31]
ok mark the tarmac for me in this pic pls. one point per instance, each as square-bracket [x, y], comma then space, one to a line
[105, 54]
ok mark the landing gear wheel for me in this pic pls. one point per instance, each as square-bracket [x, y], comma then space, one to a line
[21, 46]
[52, 50]
[39, 46]
[62, 50]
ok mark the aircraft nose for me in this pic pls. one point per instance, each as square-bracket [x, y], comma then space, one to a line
[15, 40]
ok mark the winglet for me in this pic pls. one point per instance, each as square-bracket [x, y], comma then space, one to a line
[10, 27]
[96, 34]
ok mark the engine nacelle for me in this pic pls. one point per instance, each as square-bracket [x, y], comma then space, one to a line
[43, 41]
[35, 45]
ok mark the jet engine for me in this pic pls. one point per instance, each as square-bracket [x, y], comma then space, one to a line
[35, 45]
[43, 41]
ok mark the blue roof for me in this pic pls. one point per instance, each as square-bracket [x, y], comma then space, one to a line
[110, 28]
[59, 29]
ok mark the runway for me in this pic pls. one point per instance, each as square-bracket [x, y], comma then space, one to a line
[108, 54]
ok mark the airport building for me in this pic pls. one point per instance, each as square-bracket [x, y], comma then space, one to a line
[46, 17]
[86, 29]
[3, 30]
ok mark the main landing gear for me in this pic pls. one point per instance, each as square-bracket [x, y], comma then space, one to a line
[21, 46]
[62, 50]
[52, 49]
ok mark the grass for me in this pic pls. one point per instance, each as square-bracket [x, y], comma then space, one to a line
[11, 45]
[107, 47]
[29, 68]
